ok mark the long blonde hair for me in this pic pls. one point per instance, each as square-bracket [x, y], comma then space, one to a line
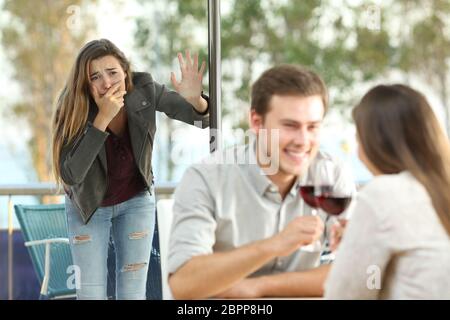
[72, 106]
[399, 131]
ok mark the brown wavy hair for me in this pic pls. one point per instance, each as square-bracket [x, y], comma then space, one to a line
[286, 79]
[399, 131]
[72, 105]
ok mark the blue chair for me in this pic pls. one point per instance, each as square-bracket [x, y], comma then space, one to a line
[44, 228]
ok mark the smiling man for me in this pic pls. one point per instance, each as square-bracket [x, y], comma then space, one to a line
[239, 225]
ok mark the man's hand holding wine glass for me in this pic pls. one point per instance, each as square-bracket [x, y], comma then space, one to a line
[299, 232]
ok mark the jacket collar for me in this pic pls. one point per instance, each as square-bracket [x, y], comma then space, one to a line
[140, 114]
[135, 100]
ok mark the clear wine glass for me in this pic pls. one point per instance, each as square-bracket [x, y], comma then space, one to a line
[332, 195]
[307, 192]
[324, 192]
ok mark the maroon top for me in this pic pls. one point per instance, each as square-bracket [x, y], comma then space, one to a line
[124, 178]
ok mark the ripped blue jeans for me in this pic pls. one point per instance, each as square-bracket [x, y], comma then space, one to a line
[131, 224]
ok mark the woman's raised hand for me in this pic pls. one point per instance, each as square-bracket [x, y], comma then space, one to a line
[190, 86]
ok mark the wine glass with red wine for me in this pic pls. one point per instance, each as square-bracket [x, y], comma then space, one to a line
[323, 191]
[330, 195]
[307, 192]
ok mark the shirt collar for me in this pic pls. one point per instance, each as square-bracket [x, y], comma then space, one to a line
[295, 187]
[257, 176]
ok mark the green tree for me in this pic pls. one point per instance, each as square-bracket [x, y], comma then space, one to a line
[41, 41]
[350, 45]
[426, 50]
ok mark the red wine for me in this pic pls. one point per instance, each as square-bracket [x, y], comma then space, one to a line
[333, 205]
[307, 193]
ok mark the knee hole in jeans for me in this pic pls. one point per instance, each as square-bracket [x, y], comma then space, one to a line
[81, 239]
[133, 267]
[137, 235]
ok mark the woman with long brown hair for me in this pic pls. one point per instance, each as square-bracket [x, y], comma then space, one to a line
[103, 135]
[397, 244]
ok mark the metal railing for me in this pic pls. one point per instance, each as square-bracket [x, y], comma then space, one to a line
[163, 190]
[215, 75]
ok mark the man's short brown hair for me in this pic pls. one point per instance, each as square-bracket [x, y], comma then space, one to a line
[286, 80]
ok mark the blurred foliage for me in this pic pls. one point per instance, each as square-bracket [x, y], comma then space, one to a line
[41, 45]
[426, 50]
[347, 44]
[350, 45]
